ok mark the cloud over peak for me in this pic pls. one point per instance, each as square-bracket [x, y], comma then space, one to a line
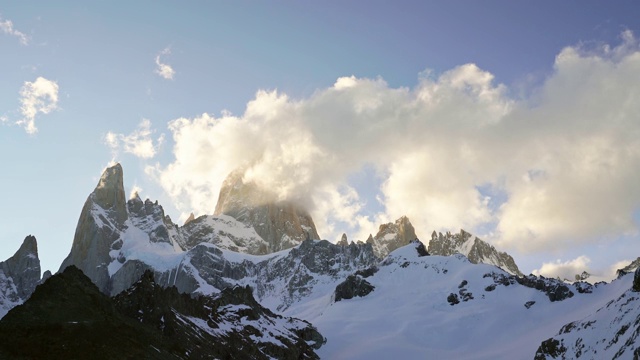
[562, 166]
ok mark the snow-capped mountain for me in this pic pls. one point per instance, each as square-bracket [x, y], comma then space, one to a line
[19, 275]
[476, 250]
[281, 224]
[387, 297]
[391, 236]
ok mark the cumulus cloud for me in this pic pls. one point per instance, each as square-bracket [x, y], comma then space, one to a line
[567, 159]
[564, 270]
[162, 69]
[139, 143]
[40, 96]
[6, 26]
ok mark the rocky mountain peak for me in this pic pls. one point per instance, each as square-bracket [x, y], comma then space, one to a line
[22, 269]
[103, 215]
[189, 219]
[475, 249]
[282, 224]
[343, 240]
[392, 236]
[109, 193]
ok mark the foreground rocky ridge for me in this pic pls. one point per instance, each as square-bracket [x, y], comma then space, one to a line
[148, 321]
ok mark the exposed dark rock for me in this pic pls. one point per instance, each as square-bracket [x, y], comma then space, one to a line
[420, 248]
[367, 272]
[529, 304]
[636, 280]
[555, 290]
[353, 286]
[453, 299]
[550, 347]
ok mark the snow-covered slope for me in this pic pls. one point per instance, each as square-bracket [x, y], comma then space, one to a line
[476, 250]
[610, 333]
[408, 314]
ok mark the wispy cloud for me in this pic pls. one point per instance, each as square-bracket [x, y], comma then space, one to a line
[139, 143]
[162, 69]
[40, 96]
[6, 26]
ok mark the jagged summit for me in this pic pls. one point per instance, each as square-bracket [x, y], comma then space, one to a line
[19, 275]
[104, 211]
[476, 250]
[392, 236]
[109, 193]
[281, 224]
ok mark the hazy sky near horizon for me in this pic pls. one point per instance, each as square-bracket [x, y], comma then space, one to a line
[517, 121]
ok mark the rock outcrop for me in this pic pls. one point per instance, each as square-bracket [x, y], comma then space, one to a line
[392, 236]
[19, 275]
[281, 224]
[476, 250]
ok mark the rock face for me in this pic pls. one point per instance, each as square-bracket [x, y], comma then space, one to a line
[636, 281]
[68, 317]
[19, 275]
[222, 231]
[100, 225]
[392, 236]
[635, 264]
[281, 224]
[353, 286]
[476, 250]
[280, 280]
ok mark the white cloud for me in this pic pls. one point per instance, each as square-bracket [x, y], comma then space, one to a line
[564, 270]
[139, 143]
[162, 69]
[567, 159]
[40, 96]
[6, 26]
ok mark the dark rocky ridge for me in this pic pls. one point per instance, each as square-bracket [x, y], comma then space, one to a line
[147, 321]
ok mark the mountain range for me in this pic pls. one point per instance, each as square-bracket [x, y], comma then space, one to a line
[256, 280]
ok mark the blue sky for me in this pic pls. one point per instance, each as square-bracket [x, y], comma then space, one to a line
[360, 147]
